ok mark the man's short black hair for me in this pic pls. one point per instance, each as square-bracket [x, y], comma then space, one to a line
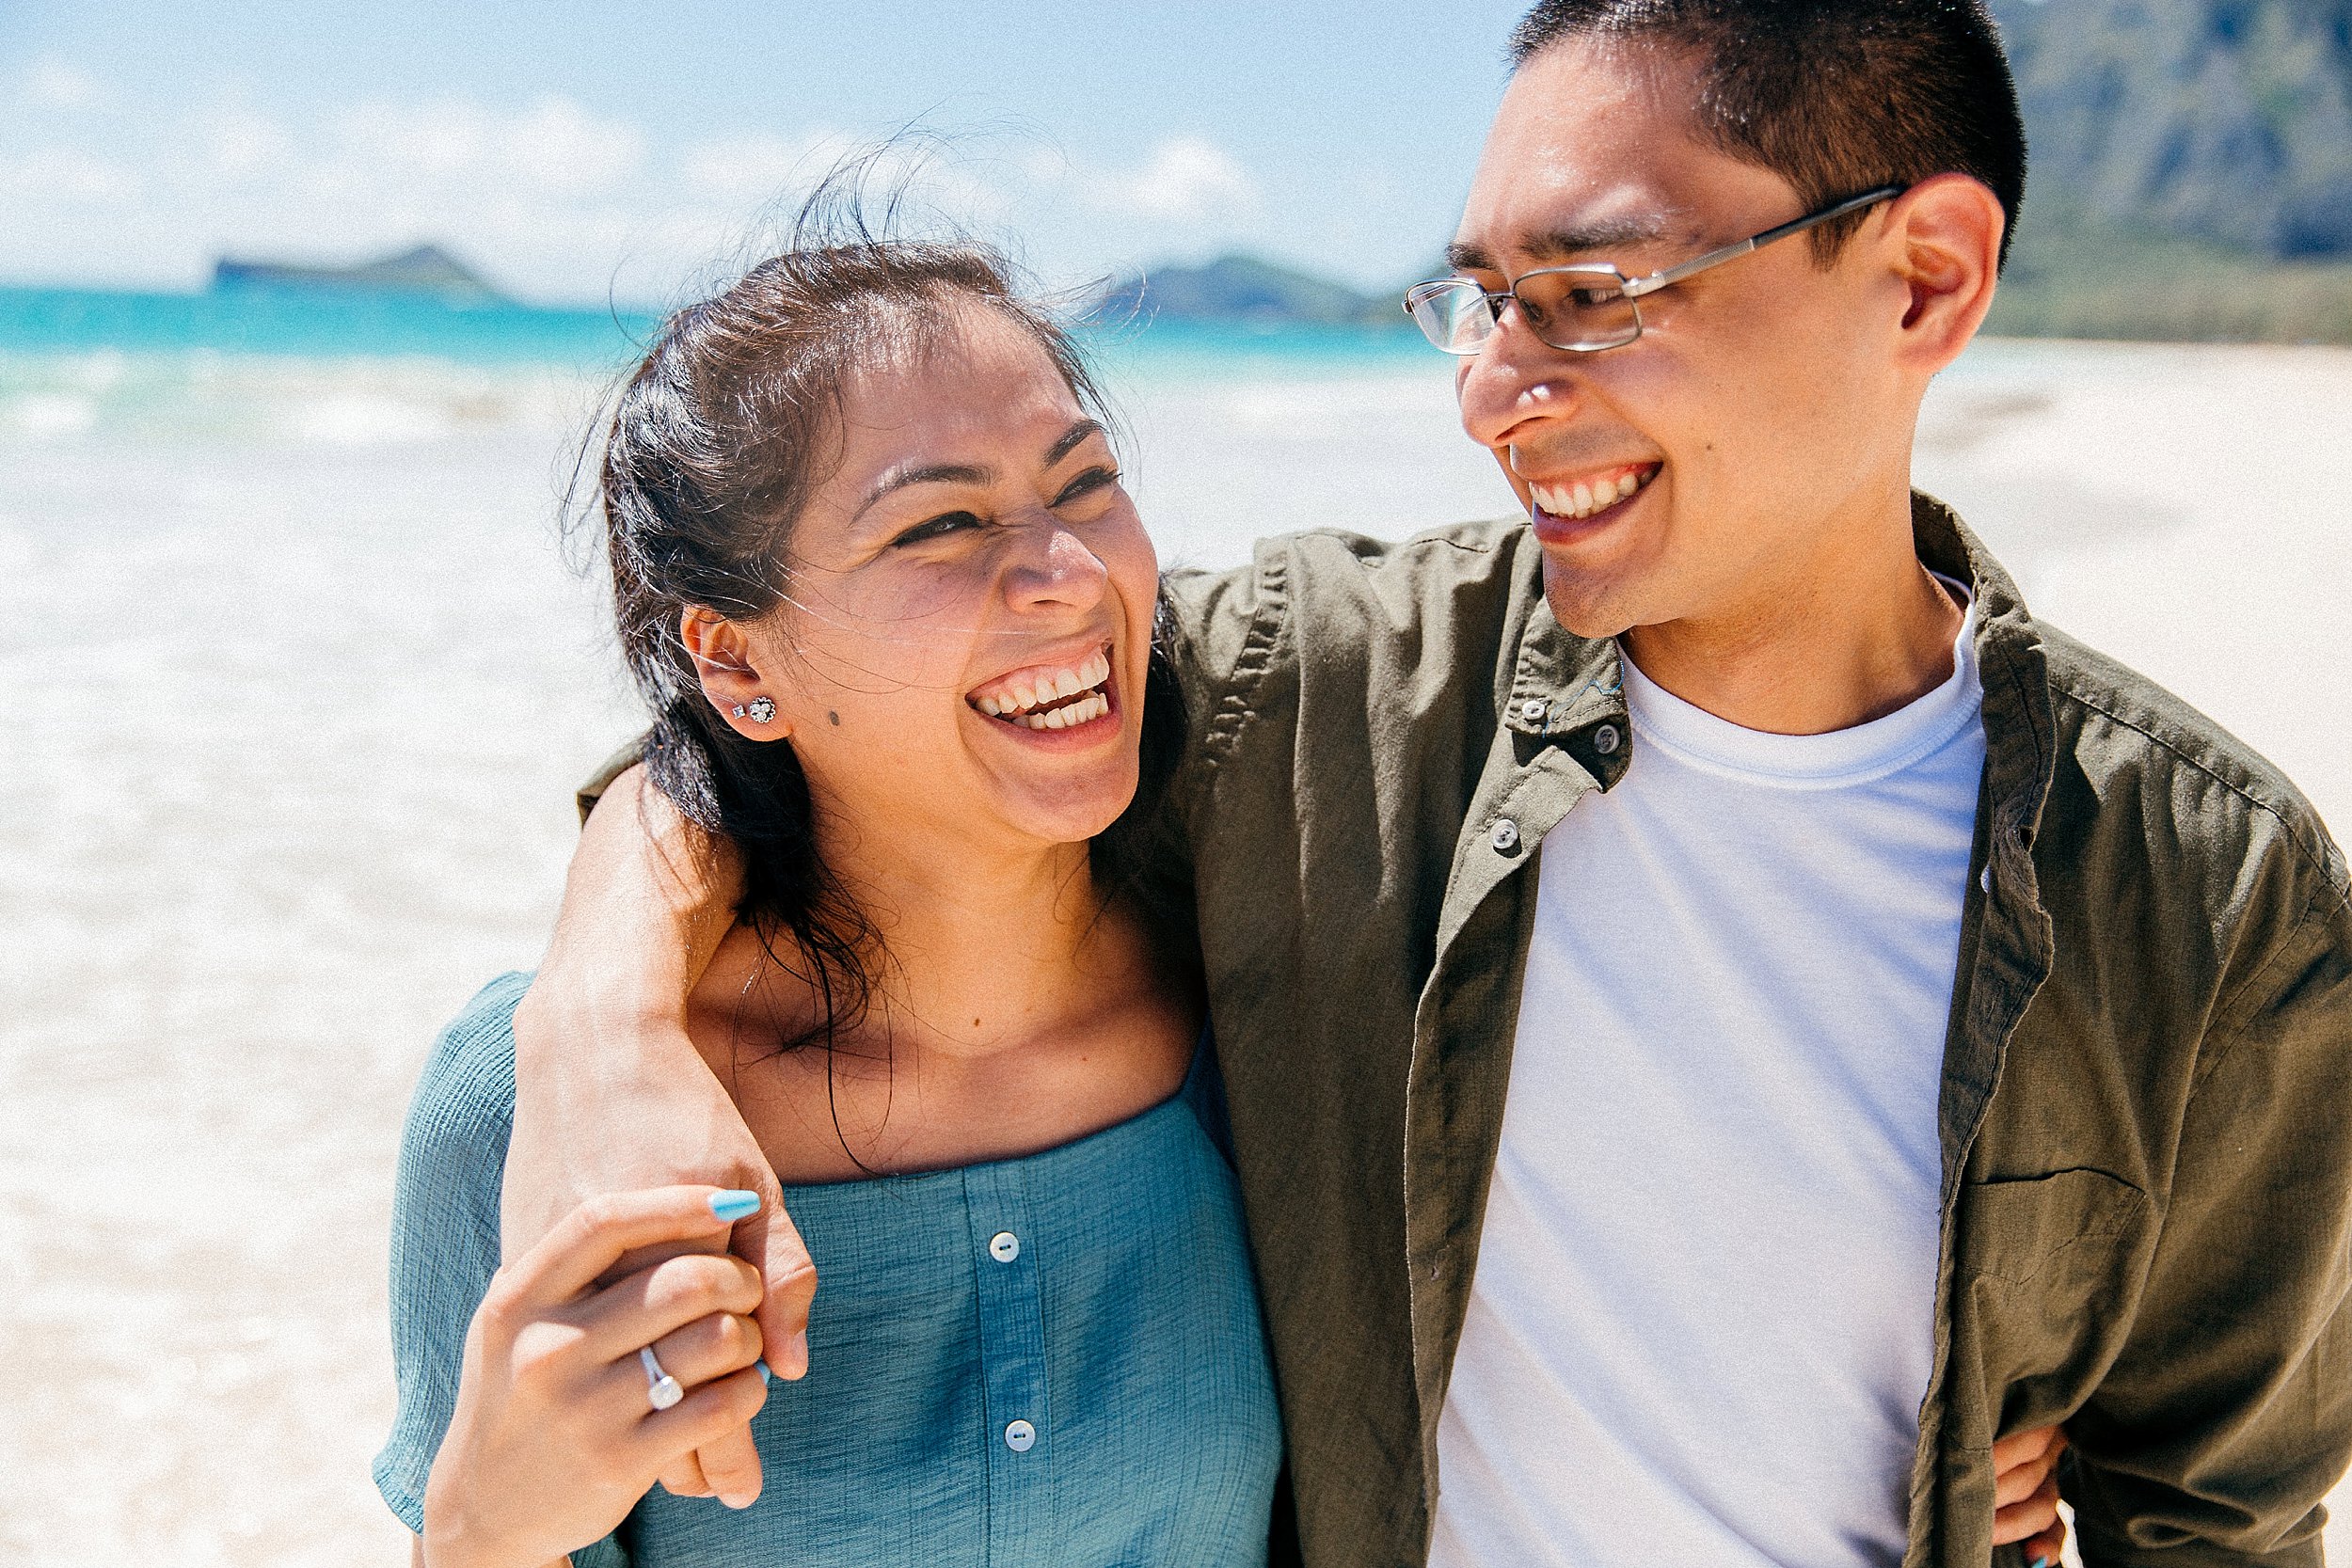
[1836, 96]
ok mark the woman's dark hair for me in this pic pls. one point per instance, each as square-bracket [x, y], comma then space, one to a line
[1837, 97]
[715, 443]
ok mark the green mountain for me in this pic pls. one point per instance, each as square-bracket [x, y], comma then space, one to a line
[2226, 121]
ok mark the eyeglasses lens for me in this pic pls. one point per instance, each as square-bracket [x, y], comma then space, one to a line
[1577, 310]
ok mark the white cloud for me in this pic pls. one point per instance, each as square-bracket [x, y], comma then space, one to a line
[68, 176]
[552, 198]
[1186, 180]
[752, 169]
[54, 84]
[553, 147]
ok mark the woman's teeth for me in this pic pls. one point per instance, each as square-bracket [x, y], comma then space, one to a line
[1587, 497]
[1016, 698]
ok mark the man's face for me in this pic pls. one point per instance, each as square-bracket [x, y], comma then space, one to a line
[1759, 421]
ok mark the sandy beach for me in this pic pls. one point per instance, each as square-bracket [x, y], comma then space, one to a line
[292, 711]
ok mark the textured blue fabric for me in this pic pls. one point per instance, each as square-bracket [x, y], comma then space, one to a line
[1125, 1332]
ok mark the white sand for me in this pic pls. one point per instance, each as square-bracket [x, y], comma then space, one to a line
[291, 716]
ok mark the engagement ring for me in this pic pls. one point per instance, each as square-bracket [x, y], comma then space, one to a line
[662, 1389]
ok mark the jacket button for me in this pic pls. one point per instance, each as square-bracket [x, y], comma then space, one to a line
[1534, 709]
[1606, 740]
[1505, 836]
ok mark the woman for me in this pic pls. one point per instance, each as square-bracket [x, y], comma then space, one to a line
[877, 579]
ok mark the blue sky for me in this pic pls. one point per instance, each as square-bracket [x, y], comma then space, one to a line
[603, 148]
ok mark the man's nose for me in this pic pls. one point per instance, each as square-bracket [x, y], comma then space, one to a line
[1512, 380]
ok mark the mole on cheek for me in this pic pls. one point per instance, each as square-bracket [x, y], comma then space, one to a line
[835, 716]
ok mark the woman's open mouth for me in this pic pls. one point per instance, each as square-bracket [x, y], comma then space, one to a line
[1049, 696]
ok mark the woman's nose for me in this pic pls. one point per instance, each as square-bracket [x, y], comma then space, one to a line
[1053, 565]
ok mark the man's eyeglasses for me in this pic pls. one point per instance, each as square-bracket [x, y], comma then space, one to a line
[1583, 308]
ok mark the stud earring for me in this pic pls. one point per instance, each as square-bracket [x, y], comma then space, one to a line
[762, 710]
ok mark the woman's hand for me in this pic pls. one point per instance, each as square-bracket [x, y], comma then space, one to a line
[611, 1095]
[2025, 1495]
[554, 1438]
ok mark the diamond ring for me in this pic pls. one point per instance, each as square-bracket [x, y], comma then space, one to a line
[662, 1389]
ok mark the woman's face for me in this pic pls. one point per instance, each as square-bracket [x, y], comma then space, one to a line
[968, 619]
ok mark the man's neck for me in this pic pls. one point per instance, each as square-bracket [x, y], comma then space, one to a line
[1836, 644]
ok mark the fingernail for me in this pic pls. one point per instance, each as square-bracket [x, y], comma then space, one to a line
[734, 1206]
[796, 1352]
[2041, 1562]
[740, 1501]
[761, 1368]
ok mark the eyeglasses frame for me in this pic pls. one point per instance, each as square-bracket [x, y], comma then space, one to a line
[1633, 289]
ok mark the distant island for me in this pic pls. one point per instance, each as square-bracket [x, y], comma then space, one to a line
[1246, 291]
[427, 270]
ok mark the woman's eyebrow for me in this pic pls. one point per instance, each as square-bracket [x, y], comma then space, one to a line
[1071, 440]
[939, 473]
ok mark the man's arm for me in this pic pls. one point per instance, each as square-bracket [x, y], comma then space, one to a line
[610, 1095]
[2228, 1416]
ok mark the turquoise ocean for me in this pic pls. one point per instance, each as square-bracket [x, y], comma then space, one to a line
[257, 362]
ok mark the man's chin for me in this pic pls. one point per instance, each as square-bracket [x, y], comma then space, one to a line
[1589, 604]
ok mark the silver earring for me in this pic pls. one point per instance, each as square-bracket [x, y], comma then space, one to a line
[762, 710]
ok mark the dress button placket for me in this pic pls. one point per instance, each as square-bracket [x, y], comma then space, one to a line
[1000, 1231]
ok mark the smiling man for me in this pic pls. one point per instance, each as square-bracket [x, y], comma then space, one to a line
[1725, 1015]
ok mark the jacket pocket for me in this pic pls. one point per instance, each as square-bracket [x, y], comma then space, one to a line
[2053, 1264]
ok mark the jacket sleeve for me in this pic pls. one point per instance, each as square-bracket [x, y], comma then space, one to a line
[2227, 1417]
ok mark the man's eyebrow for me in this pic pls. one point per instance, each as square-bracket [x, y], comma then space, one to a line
[1071, 440]
[1579, 238]
[941, 473]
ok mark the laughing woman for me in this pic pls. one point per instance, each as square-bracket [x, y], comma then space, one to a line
[876, 574]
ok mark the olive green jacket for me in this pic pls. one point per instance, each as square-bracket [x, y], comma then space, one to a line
[2146, 1111]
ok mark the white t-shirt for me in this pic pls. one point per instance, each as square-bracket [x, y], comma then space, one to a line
[1702, 1321]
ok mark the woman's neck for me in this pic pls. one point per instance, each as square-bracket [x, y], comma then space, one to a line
[1011, 1010]
[982, 945]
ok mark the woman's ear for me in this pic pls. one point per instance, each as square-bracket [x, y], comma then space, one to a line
[731, 678]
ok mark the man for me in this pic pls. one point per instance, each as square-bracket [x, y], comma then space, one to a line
[1724, 1016]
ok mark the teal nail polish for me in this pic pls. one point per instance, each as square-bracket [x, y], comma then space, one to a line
[2041, 1562]
[734, 1205]
[761, 1368]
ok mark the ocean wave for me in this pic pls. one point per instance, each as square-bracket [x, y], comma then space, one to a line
[105, 395]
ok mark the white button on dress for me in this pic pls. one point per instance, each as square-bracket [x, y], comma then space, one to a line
[1020, 1437]
[1003, 1246]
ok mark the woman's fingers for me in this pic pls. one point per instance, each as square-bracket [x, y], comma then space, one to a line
[703, 1419]
[640, 1309]
[587, 1242]
[2044, 1550]
[730, 1464]
[2022, 1463]
[683, 1477]
[2020, 1521]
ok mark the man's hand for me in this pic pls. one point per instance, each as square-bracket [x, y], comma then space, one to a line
[2026, 1494]
[611, 1095]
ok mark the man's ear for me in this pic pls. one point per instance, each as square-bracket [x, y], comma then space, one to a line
[731, 679]
[1946, 238]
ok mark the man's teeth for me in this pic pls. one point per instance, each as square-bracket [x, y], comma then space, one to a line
[1587, 497]
[1016, 696]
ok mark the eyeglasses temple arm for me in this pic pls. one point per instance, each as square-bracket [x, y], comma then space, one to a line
[1636, 287]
